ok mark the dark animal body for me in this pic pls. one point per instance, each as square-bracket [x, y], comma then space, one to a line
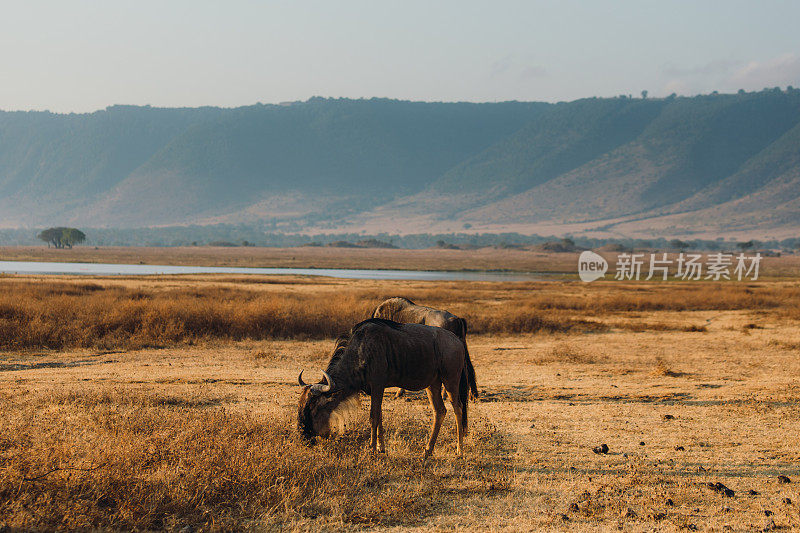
[377, 354]
[405, 311]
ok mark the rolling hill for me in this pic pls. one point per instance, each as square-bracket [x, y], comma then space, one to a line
[703, 166]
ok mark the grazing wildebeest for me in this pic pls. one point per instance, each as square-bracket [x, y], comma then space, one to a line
[405, 311]
[380, 353]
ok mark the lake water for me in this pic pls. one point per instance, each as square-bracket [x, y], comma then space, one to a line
[107, 269]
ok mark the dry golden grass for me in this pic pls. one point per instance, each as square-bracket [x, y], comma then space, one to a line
[200, 431]
[142, 460]
[113, 313]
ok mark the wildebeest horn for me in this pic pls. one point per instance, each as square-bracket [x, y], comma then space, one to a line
[300, 379]
[320, 388]
[329, 382]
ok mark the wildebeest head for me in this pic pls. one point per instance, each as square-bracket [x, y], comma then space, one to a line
[315, 412]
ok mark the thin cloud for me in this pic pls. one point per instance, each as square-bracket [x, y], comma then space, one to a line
[500, 66]
[712, 68]
[729, 76]
[510, 67]
[533, 71]
[779, 71]
[710, 76]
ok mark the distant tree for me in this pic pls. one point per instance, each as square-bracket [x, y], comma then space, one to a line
[62, 237]
[644, 95]
[742, 91]
[745, 245]
[72, 236]
[678, 244]
[52, 236]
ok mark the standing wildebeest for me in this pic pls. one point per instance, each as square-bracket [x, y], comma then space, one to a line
[380, 353]
[405, 311]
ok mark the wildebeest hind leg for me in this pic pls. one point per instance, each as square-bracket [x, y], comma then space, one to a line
[457, 411]
[439, 412]
[375, 418]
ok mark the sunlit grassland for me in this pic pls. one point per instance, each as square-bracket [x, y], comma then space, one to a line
[166, 402]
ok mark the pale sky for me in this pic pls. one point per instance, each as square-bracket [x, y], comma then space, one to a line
[81, 55]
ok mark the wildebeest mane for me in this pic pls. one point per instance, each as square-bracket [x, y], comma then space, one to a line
[339, 348]
[343, 341]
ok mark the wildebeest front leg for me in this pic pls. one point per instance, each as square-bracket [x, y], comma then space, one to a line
[375, 419]
[439, 412]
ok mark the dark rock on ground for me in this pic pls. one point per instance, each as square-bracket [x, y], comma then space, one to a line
[722, 489]
[602, 449]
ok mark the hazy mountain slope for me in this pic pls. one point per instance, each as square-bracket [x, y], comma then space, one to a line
[665, 166]
[362, 151]
[696, 153]
[51, 164]
[136, 166]
[775, 162]
[565, 137]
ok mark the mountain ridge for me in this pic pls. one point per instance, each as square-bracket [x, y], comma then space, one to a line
[676, 166]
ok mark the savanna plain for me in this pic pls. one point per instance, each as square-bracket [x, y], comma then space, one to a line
[170, 403]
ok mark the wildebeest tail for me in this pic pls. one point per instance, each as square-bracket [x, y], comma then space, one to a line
[463, 396]
[473, 386]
